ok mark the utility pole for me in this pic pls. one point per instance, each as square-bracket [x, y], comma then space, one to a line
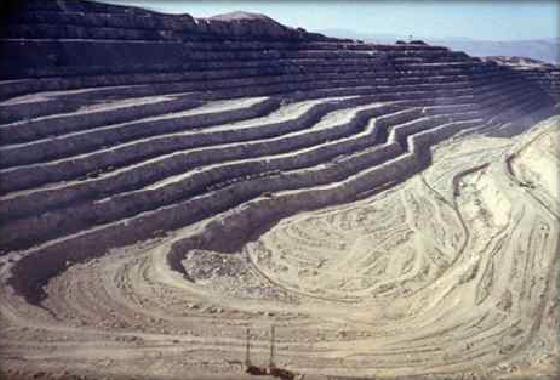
[271, 361]
[248, 349]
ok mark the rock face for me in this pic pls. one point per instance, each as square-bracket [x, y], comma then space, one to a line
[150, 35]
[119, 125]
[545, 75]
[98, 17]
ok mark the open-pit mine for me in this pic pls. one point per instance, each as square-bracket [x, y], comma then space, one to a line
[232, 198]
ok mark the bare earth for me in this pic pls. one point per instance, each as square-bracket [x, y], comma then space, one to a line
[453, 273]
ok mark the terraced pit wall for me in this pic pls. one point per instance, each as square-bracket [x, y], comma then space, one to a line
[64, 38]
[544, 75]
[120, 124]
[548, 78]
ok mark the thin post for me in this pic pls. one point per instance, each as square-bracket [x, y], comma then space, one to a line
[248, 349]
[271, 361]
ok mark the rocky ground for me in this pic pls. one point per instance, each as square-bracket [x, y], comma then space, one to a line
[453, 273]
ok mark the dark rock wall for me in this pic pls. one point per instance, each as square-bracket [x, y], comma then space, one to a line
[544, 75]
[547, 78]
[81, 39]
[89, 19]
[66, 37]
